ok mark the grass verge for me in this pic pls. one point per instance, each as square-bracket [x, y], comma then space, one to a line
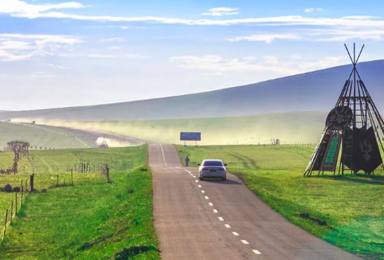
[89, 221]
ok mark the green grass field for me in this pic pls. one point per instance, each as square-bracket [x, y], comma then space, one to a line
[92, 219]
[303, 127]
[351, 206]
[42, 136]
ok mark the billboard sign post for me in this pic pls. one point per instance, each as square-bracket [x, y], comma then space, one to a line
[190, 136]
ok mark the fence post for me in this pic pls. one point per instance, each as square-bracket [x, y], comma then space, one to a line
[72, 176]
[22, 196]
[26, 185]
[32, 181]
[5, 222]
[11, 211]
[107, 172]
[57, 183]
[16, 203]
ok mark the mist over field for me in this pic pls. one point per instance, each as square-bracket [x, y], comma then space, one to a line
[303, 127]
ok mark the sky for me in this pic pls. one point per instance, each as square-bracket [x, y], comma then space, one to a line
[56, 53]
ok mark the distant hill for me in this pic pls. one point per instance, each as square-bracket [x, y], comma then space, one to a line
[313, 91]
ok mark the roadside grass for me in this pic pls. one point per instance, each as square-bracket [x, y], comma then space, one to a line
[118, 159]
[49, 164]
[91, 220]
[346, 211]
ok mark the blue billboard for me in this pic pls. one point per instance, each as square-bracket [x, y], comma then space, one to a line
[190, 136]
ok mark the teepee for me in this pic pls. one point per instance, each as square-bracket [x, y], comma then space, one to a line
[353, 132]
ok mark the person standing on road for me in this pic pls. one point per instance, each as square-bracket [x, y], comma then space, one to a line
[186, 161]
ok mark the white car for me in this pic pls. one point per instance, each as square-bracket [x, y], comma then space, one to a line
[212, 168]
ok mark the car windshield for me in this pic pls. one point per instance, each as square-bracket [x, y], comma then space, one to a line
[213, 163]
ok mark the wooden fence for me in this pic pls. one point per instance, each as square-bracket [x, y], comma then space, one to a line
[91, 168]
[27, 186]
[17, 203]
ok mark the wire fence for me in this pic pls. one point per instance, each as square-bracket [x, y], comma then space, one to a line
[91, 168]
[28, 185]
[16, 204]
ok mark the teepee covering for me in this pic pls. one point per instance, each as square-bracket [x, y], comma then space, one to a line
[353, 130]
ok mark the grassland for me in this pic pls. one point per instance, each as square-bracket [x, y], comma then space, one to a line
[92, 219]
[288, 127]
[346, 211]
[43, 136]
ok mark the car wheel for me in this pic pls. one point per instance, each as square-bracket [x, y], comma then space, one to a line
[201, 178]
[224, 179]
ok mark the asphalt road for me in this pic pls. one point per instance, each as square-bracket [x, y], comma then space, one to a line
[222, 219]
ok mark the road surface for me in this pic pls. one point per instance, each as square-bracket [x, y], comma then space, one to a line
[222, 219]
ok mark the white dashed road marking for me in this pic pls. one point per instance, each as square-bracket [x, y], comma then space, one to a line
[162, 151]
[245, 242]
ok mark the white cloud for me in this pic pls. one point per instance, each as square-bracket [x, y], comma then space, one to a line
[121, 56]
[101, 56]
[341, 35]
[311, 10]
[10, 56]
[136, 56]
[18, 8]
[267, 38]
[22, 8]
[114, 47]
[18, 47]
[113, 40]
[273, 64]
[53, 66]
[221, 11]
[265, 21]
[122, 27]
[329, 35]
[41, 75]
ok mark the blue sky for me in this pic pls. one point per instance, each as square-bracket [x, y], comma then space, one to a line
[66, 53]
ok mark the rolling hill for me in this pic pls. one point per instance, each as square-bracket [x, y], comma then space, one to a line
[313, 91]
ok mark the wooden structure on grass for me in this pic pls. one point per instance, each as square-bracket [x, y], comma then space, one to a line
[353, 132]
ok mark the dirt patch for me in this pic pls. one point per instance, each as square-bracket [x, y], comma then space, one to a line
[127, 253]
[315, 220]
[101, 239]
[95, 242]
